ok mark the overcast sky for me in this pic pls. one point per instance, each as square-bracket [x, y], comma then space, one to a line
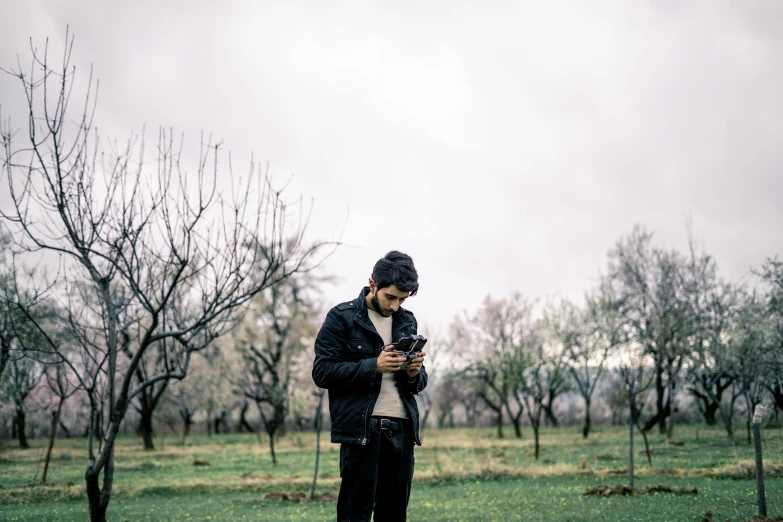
[503, 145]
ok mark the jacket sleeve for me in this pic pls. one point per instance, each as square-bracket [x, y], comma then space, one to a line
[330, 369]
[420, 382]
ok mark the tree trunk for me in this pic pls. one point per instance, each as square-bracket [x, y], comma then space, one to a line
[535, 435]
[515, 420]
[517, 427]
[777, 396]
[65, 430]
[587, 426]
[423, 423]
[710, 409]
[727, 421]
[442, 414]
[670, 427]
[659, 403]
[97, 507]
[187, 420]
[659, 418]
[20, 427]
[500, 424]
[97, 497]
[271, 434]
[647, 449]
[550, 416]
[630, 444]
[55, 420]
[145, 426]
[243, 424]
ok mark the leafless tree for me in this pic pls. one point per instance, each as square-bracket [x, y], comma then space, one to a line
[272, 341]
[543, 376]
[9, 314]
[446, 398]
[651, 290]
[24, 374]
[147, 401]
[588, 336]
[493, 339]
[751, 342]
[710, 371]
[148, 250]
[635, 377]
[62, 388]
[772, 274]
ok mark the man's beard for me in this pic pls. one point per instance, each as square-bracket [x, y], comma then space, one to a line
[377, 306]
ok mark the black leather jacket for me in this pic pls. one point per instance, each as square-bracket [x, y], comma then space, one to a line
[346, 350]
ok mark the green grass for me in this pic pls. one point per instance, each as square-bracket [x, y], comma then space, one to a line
[460, 475]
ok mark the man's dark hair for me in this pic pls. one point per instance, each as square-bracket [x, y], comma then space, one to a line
[396, 269]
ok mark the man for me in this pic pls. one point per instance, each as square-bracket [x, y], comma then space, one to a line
[371, 401]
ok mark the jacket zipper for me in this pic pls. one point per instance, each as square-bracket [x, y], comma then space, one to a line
[366, 421]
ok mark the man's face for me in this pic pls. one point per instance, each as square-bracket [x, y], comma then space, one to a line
[386, 300]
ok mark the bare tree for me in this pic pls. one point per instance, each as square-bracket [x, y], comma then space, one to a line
[148, 250]
[272, 341]
[9, 314]
[62, 387]
[710, 373]
[651, 290]
[446, 398]
[750, 336]
[147, 401]
[588, 336]
[24, 374]
[542, 372]
[772, 275]
[635, 377]
[493, 338]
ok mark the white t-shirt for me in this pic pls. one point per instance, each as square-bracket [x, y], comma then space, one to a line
[389, 402]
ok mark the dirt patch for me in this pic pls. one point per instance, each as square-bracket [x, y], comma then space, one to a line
[675, 442]
[614, 472]
[252, 476]
[758, 518]
[299, 496]
[605, 456]
[198, 462]
[620, 490]
[670, 472]
[50, 485]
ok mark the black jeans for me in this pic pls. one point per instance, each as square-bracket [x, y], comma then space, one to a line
[377, 476]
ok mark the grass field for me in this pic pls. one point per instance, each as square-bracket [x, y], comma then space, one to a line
[461, 475]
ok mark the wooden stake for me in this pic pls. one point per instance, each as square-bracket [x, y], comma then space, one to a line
[762, 501]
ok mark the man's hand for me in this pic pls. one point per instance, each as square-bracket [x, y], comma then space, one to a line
[389, 360]
[414, 367]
